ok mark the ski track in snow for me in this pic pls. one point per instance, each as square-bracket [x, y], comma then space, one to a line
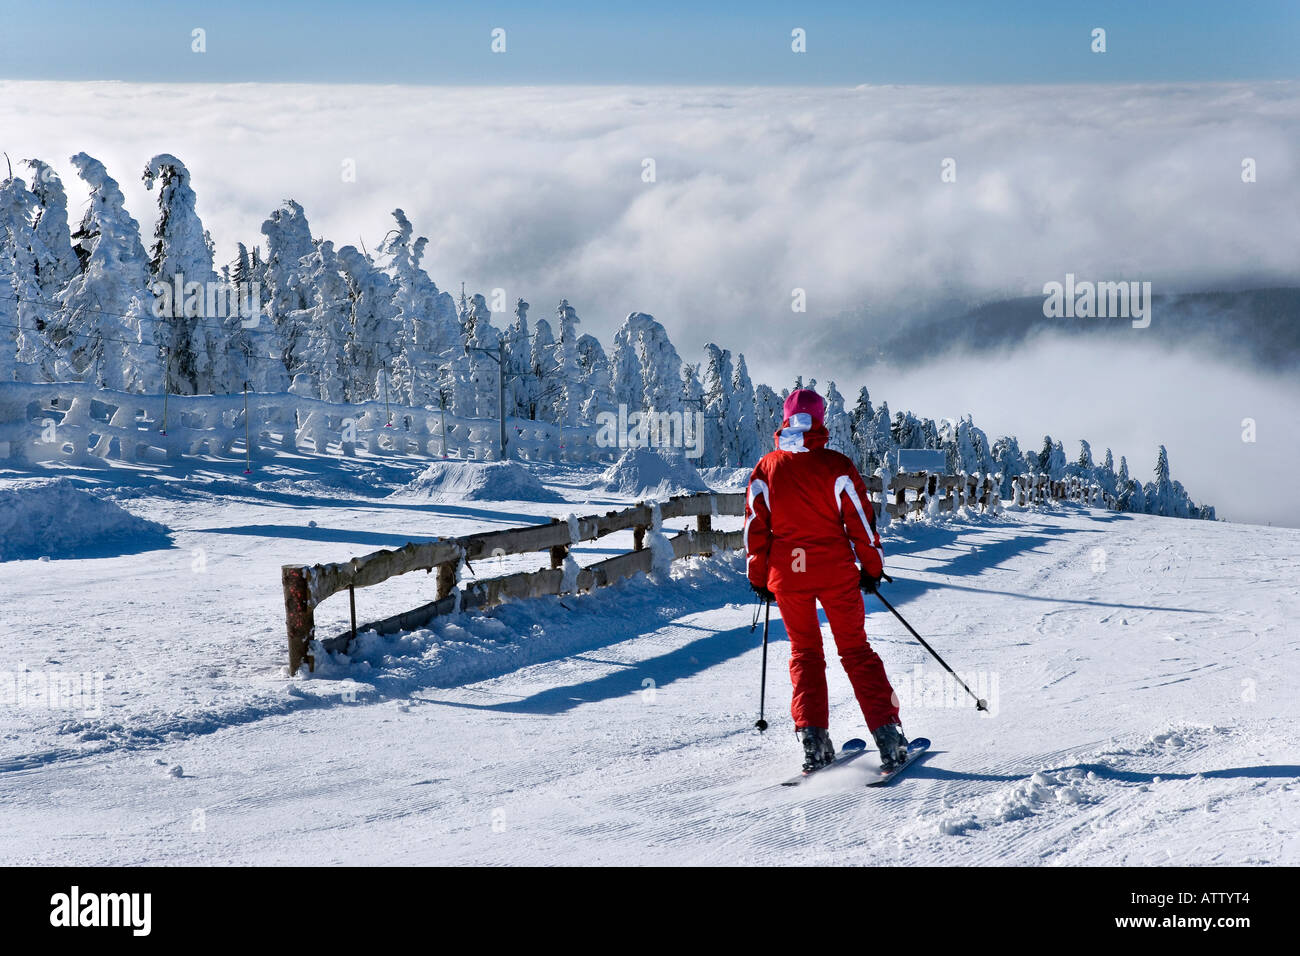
[1144, 710]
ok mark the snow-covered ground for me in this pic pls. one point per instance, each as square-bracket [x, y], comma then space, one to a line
[1142, 673]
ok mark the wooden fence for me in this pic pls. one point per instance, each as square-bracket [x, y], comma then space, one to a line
[306, 586]
[80, 423]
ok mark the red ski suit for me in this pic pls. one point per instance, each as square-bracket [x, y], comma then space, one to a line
[807, 516]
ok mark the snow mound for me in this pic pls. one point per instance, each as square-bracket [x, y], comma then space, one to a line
[643, 472]
[1040, 792]
[477, 481]
[723, 478]
[54, 518]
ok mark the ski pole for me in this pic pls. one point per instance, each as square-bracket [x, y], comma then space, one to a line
[980, 703]
[761, 724]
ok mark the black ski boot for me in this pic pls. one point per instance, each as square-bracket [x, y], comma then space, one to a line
[893, 746]
[818, 750]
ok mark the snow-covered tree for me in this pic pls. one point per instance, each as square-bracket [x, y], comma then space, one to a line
[93, 304]
[1165, 496]
[428, 327]
[750, 443]
[965, 445]
[181, 258]
[715, 379]
[595, 375]
[767, 412]
[567, 385]
[26, 352]
[322, 370]
[880, 444]
[907, 431]
[860, 425]
[56, 263]
[1105, 473]
[285, 295]
[374, 325]
[837, 422]
[520, 385]
[647, 369]
[1009, 461]
[1051, 459]
[541, 361]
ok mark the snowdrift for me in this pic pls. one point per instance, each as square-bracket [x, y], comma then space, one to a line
[477, 481]
[643, 472]
[722, 478]
[54, 518]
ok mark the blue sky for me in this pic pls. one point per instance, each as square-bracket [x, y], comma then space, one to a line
[401, 41]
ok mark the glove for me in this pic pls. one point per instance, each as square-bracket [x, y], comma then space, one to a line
[868, 581]
[764, 595]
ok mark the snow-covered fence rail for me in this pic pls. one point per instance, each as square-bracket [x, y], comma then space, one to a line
[306, 586]
[79, 422]
[933, 492]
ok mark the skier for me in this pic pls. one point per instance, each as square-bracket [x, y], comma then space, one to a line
[804, 525]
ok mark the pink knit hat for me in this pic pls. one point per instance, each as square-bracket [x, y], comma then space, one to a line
[807, 401]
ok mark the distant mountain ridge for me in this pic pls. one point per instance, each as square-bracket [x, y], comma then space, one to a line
[1259, 325]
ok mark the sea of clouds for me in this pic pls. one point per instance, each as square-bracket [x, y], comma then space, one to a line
[541, 191]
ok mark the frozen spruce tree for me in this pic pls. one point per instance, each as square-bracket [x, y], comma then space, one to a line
[908, 431]
[595, 374]
[1105, 473]
[860, 425]
[322, 371]
[767, 413]
[749, 444]
[965, 445]
[519, 382]
[541, 367]
[428, 325]
[1051, 459]
[1165, 496]
[90, 327]
[569, 396]
[1083, 465]
[285, 296]
[484, 369]
[1058, 463]
[837, 422]
[373, 324]
[143, 364]
[692, 398]
[880, 443]
[647, 369]
[719, 436]
[1008, 460]
[56, 263]
[26, 350]
[181, 258]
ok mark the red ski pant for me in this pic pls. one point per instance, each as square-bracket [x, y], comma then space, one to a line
[845, 614]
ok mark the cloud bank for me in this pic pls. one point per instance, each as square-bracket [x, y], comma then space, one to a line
[756, 192]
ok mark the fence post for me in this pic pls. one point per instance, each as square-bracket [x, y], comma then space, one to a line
[446, 578]
[300, 618]
[900, 501]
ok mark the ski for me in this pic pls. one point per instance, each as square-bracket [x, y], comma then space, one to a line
[914, 750]
[851, 750]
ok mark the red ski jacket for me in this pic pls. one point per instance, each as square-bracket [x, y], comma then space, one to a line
[807, 515]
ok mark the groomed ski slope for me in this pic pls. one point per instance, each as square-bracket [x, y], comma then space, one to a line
[1144, 710]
